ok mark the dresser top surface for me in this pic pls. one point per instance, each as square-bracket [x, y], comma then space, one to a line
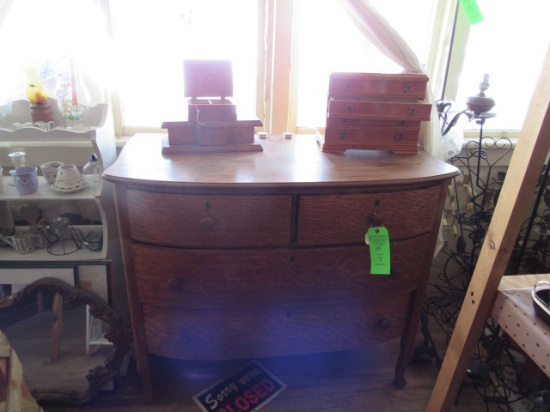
[298, 161]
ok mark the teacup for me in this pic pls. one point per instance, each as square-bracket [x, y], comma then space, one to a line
[17, 158]
[49, 170]
[25, 179]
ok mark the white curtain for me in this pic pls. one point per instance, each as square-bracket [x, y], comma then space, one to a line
[5, 6]
[380, 33]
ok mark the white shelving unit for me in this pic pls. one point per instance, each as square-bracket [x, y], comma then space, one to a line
[92, 270]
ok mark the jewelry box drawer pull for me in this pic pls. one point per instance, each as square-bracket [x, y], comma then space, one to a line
[206, 222]
[411, 111]
[349, 108]
[175, 284]
[348, 86]
[399, 136]
[342, 135]
[407, 88]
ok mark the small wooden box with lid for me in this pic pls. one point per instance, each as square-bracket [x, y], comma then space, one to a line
[375, 111]
[211, 123]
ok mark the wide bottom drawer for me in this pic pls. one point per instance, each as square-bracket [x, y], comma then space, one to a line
[374, 135]
[398, 140]
[210, 280]
[278, 331]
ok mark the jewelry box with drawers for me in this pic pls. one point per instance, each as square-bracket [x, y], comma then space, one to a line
[375, 111]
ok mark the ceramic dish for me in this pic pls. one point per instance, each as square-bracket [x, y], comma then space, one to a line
[71, 190]
[541, 299]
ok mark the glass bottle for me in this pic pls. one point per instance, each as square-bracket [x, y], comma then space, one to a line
[92, 169]
[73, 97]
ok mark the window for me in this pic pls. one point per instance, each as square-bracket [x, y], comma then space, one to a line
[37, 38]
[329, 42]
[509, 45]
[152, 41]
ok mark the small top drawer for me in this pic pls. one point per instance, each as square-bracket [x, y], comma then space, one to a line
[344, 219]
[209, 221]
[377, 84]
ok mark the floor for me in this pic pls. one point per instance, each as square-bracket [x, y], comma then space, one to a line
[349, 381]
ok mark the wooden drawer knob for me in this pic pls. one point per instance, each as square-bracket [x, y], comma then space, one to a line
[411, 111]
[382, 323]
[407, 88]
[399, 136]
[206, 222]
[396, 273]
[175, 284]
[377, 219]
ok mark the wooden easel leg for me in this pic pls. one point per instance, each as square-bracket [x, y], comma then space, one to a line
[57, 327]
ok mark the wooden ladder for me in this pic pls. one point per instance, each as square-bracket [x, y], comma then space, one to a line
[525, 168]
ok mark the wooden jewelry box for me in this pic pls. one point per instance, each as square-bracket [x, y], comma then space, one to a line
[211, 123]
[375, 111]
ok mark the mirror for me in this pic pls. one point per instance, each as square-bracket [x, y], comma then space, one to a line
[48, 323]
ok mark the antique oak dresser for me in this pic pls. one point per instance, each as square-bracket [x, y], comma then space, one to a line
[244, 255]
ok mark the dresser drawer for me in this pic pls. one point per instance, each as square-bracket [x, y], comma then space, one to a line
[247, 279]
[378, 84]
[180, 133]
[344, 219]
[346, 121]
[371, 135]
[379, 109]
[209, 221]
[280, 330]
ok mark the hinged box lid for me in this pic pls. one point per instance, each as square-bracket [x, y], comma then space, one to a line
[208, 78]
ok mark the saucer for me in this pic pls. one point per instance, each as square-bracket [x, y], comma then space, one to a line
[71, 190]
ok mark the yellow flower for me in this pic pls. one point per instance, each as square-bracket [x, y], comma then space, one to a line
[36, 93]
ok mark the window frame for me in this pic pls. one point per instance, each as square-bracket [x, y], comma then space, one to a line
[276, 92]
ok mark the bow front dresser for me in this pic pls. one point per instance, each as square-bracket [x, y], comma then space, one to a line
[244, 255]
